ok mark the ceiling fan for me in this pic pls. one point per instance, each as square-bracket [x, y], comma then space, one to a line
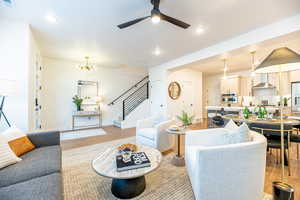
[156, 16]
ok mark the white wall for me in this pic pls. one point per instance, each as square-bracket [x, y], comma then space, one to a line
[191, 85]
[160, 100]
[158, 90]
[14, 56]
[60, 85]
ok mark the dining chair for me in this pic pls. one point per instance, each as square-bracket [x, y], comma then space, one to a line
[273, 134]
[296, 138]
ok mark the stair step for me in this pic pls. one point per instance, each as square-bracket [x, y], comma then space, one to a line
[117, 123]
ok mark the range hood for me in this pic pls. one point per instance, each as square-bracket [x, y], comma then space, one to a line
[264, 83]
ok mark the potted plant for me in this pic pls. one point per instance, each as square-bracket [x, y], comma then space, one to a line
[77, 101]
[261, 112]
[285, 101]
[185, 119]
[246, 112]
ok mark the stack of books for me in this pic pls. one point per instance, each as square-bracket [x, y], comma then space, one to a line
[137, 160]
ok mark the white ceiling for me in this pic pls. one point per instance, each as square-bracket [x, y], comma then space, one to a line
[90, 27]
[241, 59]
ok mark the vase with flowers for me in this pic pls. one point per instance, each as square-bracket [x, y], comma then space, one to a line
[78, 102]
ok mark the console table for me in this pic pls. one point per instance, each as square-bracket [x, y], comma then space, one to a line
[86, 114]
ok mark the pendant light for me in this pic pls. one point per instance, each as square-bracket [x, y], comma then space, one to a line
[225, 68]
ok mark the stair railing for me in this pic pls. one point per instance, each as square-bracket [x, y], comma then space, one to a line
[135, 99]
[128, 91]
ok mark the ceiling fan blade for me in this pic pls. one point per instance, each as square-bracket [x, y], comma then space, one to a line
[174, 21]
[125, 25]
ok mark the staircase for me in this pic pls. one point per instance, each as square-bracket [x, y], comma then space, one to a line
[131, 99]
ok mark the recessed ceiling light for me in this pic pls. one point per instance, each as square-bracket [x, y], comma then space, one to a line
[157, 52]
[200, 30]
[51, 19]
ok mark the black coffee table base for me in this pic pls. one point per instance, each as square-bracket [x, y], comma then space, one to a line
[128, 188]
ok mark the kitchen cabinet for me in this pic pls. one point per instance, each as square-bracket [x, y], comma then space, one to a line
[246, 86]
[231, 85]
[295, 76]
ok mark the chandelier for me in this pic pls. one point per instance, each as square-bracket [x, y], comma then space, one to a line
[87, 66]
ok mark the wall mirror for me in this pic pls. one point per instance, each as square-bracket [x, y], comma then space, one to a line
[87, 90]
[174, 90]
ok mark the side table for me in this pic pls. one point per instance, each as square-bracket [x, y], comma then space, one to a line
[178, 160]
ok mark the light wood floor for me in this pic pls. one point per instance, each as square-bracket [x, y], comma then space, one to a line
[273, 170]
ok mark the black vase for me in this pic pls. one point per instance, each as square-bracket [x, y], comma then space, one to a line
[78, 107]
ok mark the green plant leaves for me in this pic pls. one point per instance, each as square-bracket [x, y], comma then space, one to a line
[185, 118]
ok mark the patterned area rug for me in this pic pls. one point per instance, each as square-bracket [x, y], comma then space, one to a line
[82, 183]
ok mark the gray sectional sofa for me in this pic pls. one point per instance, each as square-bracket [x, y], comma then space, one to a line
[38, 175]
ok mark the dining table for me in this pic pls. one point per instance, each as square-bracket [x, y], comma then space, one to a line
[253, 119]
[289, 121]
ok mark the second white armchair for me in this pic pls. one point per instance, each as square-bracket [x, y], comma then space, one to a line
[220, 171]
[152, 132]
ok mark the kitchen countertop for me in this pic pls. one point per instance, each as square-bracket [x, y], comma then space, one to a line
[238, 108]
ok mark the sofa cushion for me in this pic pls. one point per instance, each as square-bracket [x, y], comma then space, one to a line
[231, 125]
[39, 162]
[147, 133]
[47, 187]
[7, 156]
[238, 135]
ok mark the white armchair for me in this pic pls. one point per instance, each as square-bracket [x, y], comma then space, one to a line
[154, 135]
[221, 171]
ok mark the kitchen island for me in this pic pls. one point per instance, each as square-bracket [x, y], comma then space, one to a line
[213, 111]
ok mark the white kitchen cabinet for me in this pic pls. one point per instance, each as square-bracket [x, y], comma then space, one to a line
[231, 85]
[295, 76]
[246, 86]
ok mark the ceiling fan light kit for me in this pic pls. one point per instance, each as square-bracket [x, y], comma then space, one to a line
[156, 17]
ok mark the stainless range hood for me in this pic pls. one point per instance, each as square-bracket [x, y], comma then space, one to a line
[264, 84]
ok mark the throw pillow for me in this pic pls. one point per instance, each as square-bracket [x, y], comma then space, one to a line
[18, 141]
[239, 135]
[231, 125]
[7, 156]
[21, 145]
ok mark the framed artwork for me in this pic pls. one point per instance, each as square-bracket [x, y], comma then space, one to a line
[174, 90]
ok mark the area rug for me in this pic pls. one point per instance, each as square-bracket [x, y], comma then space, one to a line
[82, 134]
[82, 183]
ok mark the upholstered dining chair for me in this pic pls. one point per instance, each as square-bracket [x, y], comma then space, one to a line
[273, 134]
[152, 132]
[225, 171]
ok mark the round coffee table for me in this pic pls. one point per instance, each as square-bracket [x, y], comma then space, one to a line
[178, 160]
[126, 184]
